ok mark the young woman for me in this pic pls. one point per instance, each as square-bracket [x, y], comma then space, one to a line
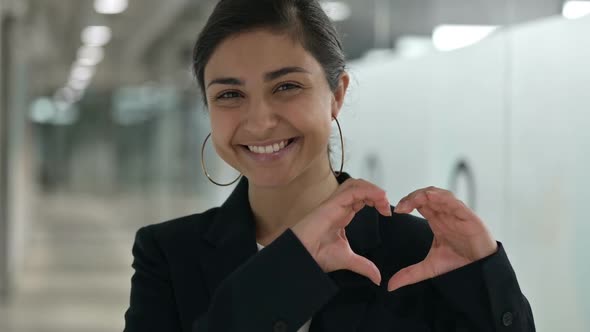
[297, 246]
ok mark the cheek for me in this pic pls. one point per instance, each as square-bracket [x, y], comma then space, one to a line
[316, 126]
[220, 141]
[222, 128]
[315, 109]
[215, 142]
[322, 117]
[222, 121]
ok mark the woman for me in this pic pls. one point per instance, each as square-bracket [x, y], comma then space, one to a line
[297, 246]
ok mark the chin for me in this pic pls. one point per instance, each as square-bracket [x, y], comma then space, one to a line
[266, 179]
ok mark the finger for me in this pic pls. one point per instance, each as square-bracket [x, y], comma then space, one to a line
[401, 206]
[409, 275]
[433, 218]
[361, 183]
[363, 191]
[365, 267]
[446, 202]
[436, 212]
[443, 201]
[412, 201]
[357, 206]
[383, 206]
[411, 195]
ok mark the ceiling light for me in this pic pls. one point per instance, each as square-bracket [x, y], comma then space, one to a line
[451, 37]
[78, 85]
[90, 55]
[110, 6]
[67, 94]
[82, 73]
[96, 35]
[42, 110]
[576, 9]
[336, 10]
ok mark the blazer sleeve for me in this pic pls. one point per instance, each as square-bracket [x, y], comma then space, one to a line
[482, 296]
[151, 303]
[279, 288]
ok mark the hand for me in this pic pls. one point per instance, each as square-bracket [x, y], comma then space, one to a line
[460, 237]
[322, 231]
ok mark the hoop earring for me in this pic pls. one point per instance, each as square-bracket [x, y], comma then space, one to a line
[205, 168]
[342, 154]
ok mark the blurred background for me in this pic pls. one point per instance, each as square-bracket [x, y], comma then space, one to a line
[101, 125]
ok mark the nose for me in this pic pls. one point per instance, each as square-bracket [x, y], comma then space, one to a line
[260, 118]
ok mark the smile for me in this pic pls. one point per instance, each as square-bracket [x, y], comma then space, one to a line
[272, 152]
[276, 147]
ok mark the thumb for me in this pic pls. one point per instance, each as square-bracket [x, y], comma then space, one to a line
[365, 267]
[409, 275]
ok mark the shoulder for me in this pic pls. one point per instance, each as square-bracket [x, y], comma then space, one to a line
[177, 231]
[406, 237]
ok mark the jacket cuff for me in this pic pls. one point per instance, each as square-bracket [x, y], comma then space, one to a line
[509, 307]
[295, 286]
[310, 284]
[485, 290]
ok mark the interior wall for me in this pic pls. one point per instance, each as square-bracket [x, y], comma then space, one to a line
[513, 111]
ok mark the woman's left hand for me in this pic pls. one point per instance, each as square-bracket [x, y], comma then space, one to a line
[460, 237]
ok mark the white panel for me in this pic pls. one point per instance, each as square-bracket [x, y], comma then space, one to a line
[385, 128]
[435, 111]
[550, 159]
[516, 106]
[468, 123]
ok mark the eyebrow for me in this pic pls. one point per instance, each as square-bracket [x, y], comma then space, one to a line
[270, 76]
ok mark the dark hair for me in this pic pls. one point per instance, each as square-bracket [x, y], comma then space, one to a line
[304, 20]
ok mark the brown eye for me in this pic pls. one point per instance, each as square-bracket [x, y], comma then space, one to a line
[228, 95]
[287, 86]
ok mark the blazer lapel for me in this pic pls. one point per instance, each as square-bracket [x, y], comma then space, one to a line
[232, 236]
[233, 239]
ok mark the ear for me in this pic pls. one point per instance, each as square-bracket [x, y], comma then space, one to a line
[340, 93]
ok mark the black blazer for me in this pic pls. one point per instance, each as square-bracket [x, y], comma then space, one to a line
[204, 273]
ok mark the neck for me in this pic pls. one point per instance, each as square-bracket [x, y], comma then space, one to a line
[278, 208]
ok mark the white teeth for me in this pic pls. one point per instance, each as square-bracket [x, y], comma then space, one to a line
[268, 149]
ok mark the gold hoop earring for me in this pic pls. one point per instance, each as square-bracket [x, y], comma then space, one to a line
[205, 168]
[342, 154]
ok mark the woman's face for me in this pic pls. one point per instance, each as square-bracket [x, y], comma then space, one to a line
[263, 91]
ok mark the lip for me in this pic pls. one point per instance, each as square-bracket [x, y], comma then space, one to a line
[271, 157]
[267, 143]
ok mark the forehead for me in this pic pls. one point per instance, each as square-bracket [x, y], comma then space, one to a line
[256, 52]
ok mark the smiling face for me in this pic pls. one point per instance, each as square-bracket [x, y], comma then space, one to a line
[263, 90]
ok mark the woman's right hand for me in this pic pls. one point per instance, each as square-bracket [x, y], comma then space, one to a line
[322, 231]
